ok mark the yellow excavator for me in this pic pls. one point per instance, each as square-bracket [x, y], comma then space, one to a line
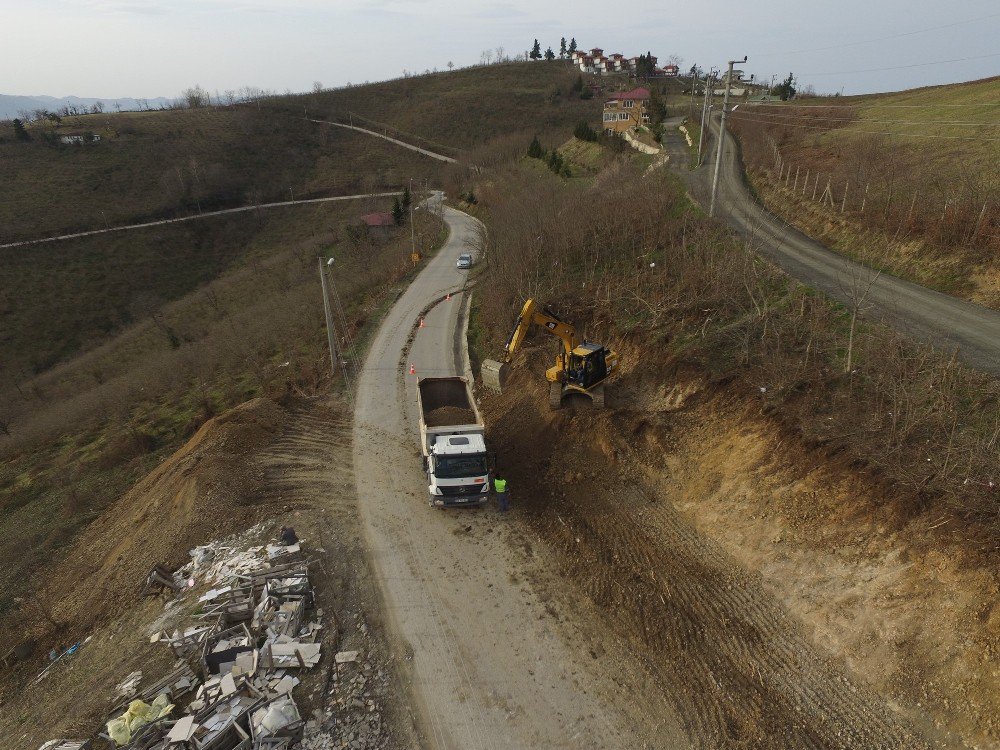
[581, 367]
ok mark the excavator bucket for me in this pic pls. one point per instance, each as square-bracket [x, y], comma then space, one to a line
[494, 374]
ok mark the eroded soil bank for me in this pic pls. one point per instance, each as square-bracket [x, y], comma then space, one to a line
[777, 598]
[264, 464]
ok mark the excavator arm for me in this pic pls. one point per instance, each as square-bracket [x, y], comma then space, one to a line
[531, 315]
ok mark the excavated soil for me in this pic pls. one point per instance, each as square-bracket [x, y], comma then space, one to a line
[259, 462]
[449, 415]
[658, 534]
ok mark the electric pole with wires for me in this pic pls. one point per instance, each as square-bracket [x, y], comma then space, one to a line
[722, 134]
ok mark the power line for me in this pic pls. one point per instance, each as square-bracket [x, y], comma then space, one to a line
[898, 67]
[881, 38]
[770, 121]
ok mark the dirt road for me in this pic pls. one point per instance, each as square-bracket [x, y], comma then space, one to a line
[489, 666]
[921, 313]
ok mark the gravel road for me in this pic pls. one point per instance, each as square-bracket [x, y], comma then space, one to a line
[921, 313]
[486, 664]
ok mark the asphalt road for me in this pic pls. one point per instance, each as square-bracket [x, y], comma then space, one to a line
[194, 217]
[486, 664]
[923, 314]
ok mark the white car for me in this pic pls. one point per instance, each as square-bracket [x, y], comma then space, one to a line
[464, 261]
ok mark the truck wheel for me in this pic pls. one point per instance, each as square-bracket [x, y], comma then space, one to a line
[555, 395]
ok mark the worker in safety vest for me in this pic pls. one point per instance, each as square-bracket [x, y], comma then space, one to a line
[500, 485]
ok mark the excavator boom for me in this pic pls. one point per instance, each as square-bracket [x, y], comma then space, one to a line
[530, 315]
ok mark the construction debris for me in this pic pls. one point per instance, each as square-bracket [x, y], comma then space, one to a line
[258, 623]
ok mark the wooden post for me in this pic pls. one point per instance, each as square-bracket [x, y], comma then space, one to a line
[789, 174]
[909, 214]
[815, 185]
[864, 200]
[944, 211]
[843, 203]
[979, 221]
[805, 182]
[795, 187]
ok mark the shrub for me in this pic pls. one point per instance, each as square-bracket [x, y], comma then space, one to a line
[584, 132]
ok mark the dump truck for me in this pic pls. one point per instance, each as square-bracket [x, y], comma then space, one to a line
[452, 443]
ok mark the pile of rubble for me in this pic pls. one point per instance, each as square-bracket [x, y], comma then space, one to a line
[236, 668]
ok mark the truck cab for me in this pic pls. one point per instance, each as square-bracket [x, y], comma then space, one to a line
[458, 470]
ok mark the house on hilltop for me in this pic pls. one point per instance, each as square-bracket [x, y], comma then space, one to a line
[379, 222]
[624, 110]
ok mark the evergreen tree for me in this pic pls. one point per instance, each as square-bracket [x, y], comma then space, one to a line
[535, 149]
[785, 90]
[398, 216]
[562, 48]
[407, 198]
[549, 54]
[584, 132]
[536, 51]
[20, 132]
[657, 107]
[572, 46]
[577, 86]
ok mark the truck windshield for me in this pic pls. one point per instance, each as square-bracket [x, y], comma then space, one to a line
[456, 467]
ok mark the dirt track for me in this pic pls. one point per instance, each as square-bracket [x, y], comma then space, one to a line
[721, 650]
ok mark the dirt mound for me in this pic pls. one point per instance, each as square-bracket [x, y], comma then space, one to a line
[209, 488]
[449, 415]
[719, 645]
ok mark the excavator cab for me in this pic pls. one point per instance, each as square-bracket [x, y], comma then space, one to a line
[586, 366]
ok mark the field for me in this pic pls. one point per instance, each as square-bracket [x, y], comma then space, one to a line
[910, 179]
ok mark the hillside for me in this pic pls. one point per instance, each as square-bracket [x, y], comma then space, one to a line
[911, 177]
[468, 107]
[120, 345]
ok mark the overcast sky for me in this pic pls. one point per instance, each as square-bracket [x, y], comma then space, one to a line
[148, 48]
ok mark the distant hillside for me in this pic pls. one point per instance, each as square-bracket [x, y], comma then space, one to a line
[12, 105]
[468, 107]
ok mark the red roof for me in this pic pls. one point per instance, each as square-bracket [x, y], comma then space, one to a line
[639, 93]
[378, 220]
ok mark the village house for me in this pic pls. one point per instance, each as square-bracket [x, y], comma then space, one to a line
[379, 223]
[624, 110]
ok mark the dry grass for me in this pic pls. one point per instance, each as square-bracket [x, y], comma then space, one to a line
[912, 178]
[81, 433]
[630, 262]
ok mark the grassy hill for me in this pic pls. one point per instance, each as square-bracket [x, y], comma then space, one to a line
[153, 165]
[918, 169]
[117, 347]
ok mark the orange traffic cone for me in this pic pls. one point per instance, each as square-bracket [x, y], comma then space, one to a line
[413, 370]
[421, 323]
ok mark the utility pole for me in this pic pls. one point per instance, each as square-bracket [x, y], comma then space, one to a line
[330, 330]
[706, 107]
[722, 134]
[413, 238]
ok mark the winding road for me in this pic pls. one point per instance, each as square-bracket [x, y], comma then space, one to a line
[485, 663]
[946, 322]
[194, 217]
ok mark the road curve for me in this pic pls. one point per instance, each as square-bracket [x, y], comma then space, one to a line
[205, 215]
[404, 144]
[484, 663]
[920, 313]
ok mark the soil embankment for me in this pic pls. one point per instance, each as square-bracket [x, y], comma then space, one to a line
[262, 464]
[776, 599]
